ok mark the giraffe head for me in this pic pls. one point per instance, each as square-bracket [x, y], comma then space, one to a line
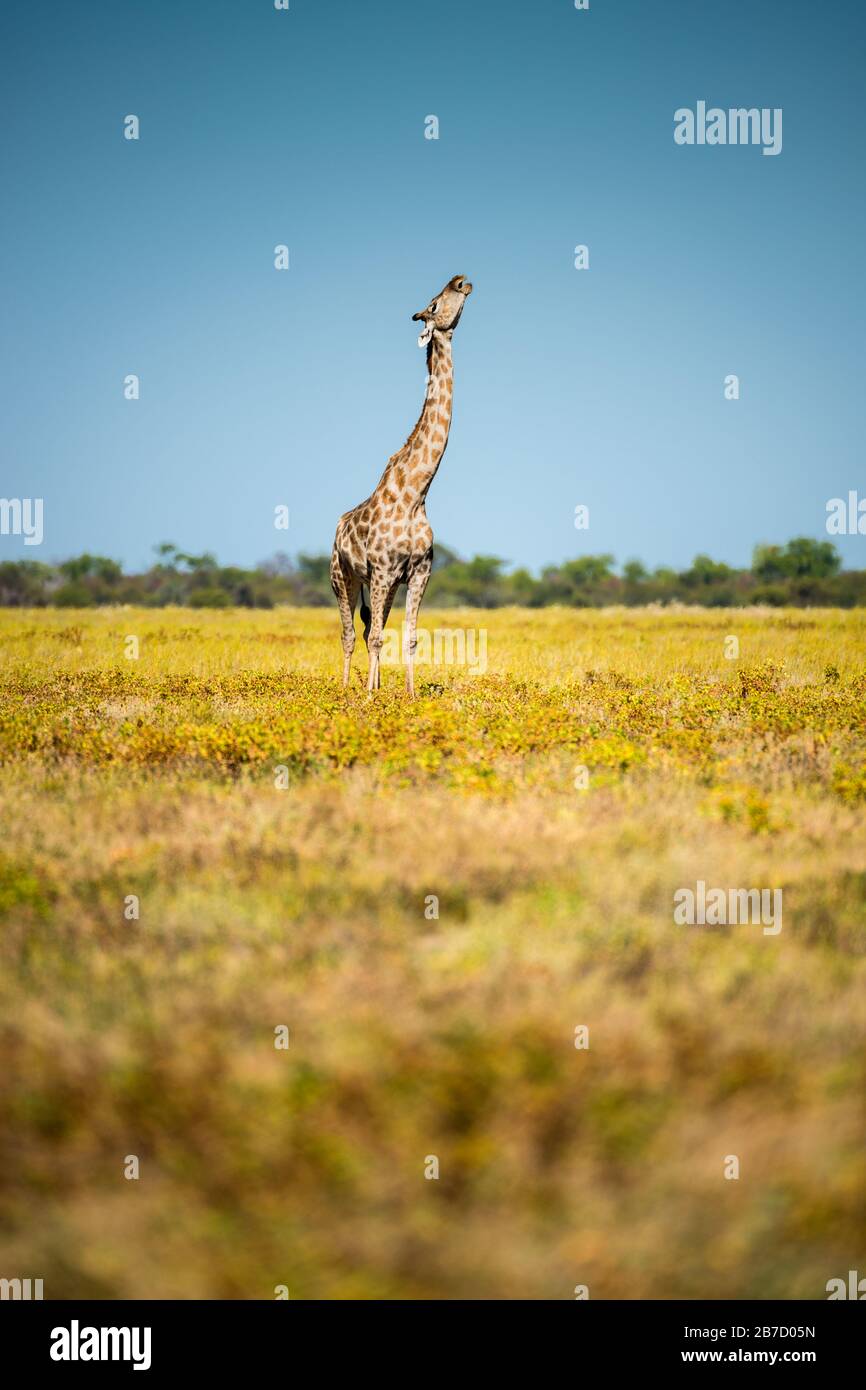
[444, 310]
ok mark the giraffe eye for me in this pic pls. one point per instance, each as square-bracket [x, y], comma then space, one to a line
[434, 306]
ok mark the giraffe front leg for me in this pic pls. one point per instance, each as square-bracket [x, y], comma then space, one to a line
[385, 614]
[379, 588]
[345, 588]
[414, 593]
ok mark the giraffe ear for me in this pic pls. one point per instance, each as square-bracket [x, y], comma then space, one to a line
[425, 335]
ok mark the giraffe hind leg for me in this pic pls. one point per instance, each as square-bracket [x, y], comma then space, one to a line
[345, 587]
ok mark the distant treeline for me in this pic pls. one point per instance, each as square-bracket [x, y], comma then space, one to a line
[803, 572]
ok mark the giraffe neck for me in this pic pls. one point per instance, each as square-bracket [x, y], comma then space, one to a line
[422, 453]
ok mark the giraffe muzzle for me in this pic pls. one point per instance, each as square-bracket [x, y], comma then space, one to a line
[449, 301]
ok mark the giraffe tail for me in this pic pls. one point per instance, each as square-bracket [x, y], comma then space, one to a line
[365, 613]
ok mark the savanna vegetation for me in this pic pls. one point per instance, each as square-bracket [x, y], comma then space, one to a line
[204, 839]
[802, 573]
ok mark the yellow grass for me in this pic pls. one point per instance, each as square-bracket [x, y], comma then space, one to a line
[284, 841]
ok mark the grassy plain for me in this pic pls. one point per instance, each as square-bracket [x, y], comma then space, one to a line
[301, 897]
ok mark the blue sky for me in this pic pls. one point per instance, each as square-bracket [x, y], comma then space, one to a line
[258, 387]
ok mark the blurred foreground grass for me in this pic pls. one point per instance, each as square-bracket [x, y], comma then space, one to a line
[414, 1035]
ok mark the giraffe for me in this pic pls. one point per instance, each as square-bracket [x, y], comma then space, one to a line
[386, 540]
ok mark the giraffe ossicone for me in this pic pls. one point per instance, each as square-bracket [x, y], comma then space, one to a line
[386, 540]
